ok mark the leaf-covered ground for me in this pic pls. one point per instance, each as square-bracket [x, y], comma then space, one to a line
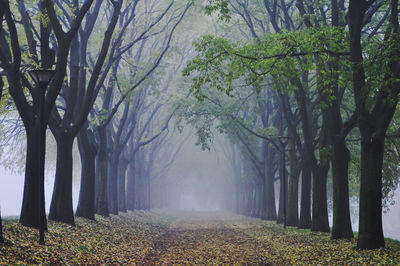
[171, 237]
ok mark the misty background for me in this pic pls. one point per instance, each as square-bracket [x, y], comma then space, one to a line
[196, 181]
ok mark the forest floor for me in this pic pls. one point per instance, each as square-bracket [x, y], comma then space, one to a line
[177, 237]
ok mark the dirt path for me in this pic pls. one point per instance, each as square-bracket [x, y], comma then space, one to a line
[198, 238]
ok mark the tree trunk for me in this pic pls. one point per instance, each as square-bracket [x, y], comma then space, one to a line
[320, 221]
[112, 184]
[248, 199]
[130, 187]
[293, 189]
[258, 197]
[86, 206]
[148, 193]
[123, 165]
[101, 195]
[269, 196]
[341, 226]
[61, 208]
[254, 198]
[280, 210]
[269, 212]
[30, 202]
[1, 230]
[305, 207]
[370, 234]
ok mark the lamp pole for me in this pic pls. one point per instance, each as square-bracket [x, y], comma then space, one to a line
[42, 77]
[283, 140]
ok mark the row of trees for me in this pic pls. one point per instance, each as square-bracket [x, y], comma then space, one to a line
[108, 95]
[323, 73]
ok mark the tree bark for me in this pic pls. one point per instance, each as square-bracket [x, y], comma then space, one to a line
[101, 194]
[130, 190]
[30, 203]
[305, 207]
[123, 165]
[320, 221]
[269, 196]
[280, 209]
[370, 223]
[293, 189]
[1, 230]
[112, 184]
[341, 226]
[269, 212]
[86, 206]
[61, 202]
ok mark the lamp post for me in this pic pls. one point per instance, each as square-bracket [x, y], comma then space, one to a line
[284, 140]
[42, 77]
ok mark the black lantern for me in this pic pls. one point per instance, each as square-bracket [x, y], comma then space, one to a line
[283, 139]
[42, 77]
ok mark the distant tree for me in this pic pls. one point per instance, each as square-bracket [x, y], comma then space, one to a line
[1, 230]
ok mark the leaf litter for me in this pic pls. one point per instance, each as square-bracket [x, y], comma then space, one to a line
[177, 237]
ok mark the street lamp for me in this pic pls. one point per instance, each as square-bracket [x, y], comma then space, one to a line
[284, 140]
[42, 77]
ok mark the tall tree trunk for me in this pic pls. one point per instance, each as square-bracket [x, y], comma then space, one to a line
[258, 194]
[139, 186]
[112, 184]
[30, 202]
[320, 221]
[370, 224]
[336, 132]
[255, 188]
[148, 191]
[269, 196]
[122, 170]
[86, 206]
[249, 196]
[130, 187]
[61, 208]
[293, 189]
[101, 195]
[280, 207]
[1, 230]
[269, 212]
[341, 225]
[309, 161]
[305, 207]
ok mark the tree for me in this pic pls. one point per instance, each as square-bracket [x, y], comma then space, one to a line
[374, 116]
[65, 129]
[27, 103]
[1, 230]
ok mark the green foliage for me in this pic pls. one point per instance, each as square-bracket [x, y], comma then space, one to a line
[380, 55]
[220, 7]
[220, 62]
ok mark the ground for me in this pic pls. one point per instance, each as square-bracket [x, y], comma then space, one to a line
[177, 237]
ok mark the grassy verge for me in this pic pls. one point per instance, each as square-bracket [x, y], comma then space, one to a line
[302, 247]
[116, 240]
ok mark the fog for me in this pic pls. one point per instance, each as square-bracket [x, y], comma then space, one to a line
[196, 181]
